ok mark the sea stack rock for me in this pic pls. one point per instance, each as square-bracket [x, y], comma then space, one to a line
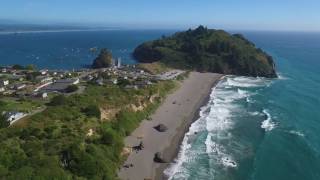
[158, 158]
[104, 59]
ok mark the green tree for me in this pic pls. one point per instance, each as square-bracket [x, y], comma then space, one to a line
[58, 100]
[17, 67]
[93, 111]
[30, 67]
[3, 121]
[32, 76]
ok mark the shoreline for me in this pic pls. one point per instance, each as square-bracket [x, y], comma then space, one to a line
[192, 94]
[173, 150]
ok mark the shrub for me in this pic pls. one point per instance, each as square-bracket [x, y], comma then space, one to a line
[17, 67]
[92, 111]
[58, 100]
[3, 121]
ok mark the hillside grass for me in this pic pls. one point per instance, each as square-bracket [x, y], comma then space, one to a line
[55, 144]
[154, 68]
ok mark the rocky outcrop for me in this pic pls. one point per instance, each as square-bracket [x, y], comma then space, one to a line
[158, 158]
[161, 128]
[104, 59]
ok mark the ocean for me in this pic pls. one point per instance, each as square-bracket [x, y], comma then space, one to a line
[251, 128]
[257, 128]
[67, 50]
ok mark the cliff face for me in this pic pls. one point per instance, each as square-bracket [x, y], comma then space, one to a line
[208, 50]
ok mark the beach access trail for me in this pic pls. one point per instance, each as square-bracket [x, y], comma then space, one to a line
[177, 112]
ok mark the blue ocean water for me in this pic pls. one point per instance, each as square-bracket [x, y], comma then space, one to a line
[251, 128]
[68, 50]
[257, 128]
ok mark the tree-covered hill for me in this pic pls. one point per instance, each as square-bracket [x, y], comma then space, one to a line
[208, 50]
[70, 140]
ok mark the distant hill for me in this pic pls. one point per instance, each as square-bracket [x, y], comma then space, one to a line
[208, 50]
[13, 27]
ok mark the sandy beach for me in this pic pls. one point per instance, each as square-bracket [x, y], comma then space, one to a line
[177, 113]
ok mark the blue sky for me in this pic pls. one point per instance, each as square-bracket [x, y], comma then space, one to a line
[226, 14]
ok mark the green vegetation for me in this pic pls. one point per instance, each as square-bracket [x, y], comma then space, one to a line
[30, 67]
[3, 124]
[208, 50]
[17, 67]
[22, 105]
[92, 111]
[154, 68]
[32, 76]
[103, 60]
[58, 100]
[69, 141]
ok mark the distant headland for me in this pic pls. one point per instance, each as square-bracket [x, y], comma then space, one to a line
[208, 50]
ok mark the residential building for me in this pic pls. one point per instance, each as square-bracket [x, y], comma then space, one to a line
[4, 82]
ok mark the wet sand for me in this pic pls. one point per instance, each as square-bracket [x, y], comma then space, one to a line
[177, 113]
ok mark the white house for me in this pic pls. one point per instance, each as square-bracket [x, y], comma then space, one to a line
[44, 71]
[43, 95]
[4, 82]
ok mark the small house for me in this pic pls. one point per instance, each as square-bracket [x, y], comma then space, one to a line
[4, 82]
[43, 71]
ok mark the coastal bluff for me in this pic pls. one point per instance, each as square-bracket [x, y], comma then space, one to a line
[208, 50]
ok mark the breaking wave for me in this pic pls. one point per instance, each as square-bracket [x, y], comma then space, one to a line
[213, 127]
[267, 124]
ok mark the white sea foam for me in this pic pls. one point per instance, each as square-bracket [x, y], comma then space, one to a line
[248, 99]
[298, 133]
[267, 124]
[242, 92]
[216, 119]
[228, 162]
[218, 153]
[254, 113]
[282, 77]
[247, 82]
[185, 155]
